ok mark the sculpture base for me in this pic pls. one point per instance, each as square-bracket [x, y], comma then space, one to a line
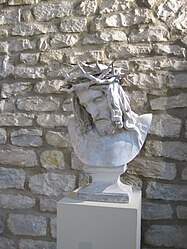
[99, 225]
[105, 186]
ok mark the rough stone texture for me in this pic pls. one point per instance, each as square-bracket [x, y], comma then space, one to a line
[48, 86]
[29, 72]
[48, 205]
[39, 39]
[165, 126]
[73, 24]
[62, 41]
[16, 201]
[171, 149]
[29, 59]
[166, 191]
[12, 178]
[20, 157]
[38, 104]
[24, 137]
[7, 243]
[182, 212]
[33, 29]
[53, 225]
[57, 139]
[20, 224]
[52, 184]
[153, 169]
[163, 103]
[154, 211]
[52, 159]
[16, 119]
[52, 120]
[31, 244]
[167, 235]
[3, 136]
[16, 89]
[184, 174]
[45, 12]
[1, 226]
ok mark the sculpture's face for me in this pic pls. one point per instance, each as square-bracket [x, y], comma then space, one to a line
[96, 104]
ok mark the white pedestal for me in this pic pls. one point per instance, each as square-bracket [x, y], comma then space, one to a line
[99, 225]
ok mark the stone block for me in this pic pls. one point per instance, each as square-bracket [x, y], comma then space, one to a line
[57, 139]
[67, 105]
[1, 226]
[63, 40]
[29, 72]
[184, 174]
[171, 149]
[48, 11]
[4, 32]
[132, 180]
[163, 103]
[33, 29]
[3, 136]
[17, 156]
[36, 244]
[16, 89]
[3, 47]
[52, 159]
[71, 25]
[52, 120]
[109, 6]
[7, 105]
[156, 211]
[149, 34]
[165, 125]
[182, 212]
[87, 7]
[12, 178]
[167, 49]
[49, 86]
[53, 226]
[167, 235]
[23, 224]
[21, 2]
[25, 137]
[76, 163]
[105, 37]
[52, 184]
[49, 205]
[29, 59]
[9, 16]
[18, 45]
[127, 51]
[16, 201]
[7, 243]
[16, 119]
[152, 168]
[177, 80]
[38, 104]
[6, 66]
[165, 191]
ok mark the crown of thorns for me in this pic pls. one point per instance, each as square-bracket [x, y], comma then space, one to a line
[84, 75]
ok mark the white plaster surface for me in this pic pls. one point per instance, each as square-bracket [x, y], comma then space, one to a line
[99, 225]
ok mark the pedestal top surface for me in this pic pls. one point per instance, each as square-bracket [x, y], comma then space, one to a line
[135, 200]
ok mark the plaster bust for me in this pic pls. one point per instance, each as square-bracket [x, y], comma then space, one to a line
[104, 131]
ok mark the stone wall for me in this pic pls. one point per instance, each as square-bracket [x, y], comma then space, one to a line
[37, 165]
